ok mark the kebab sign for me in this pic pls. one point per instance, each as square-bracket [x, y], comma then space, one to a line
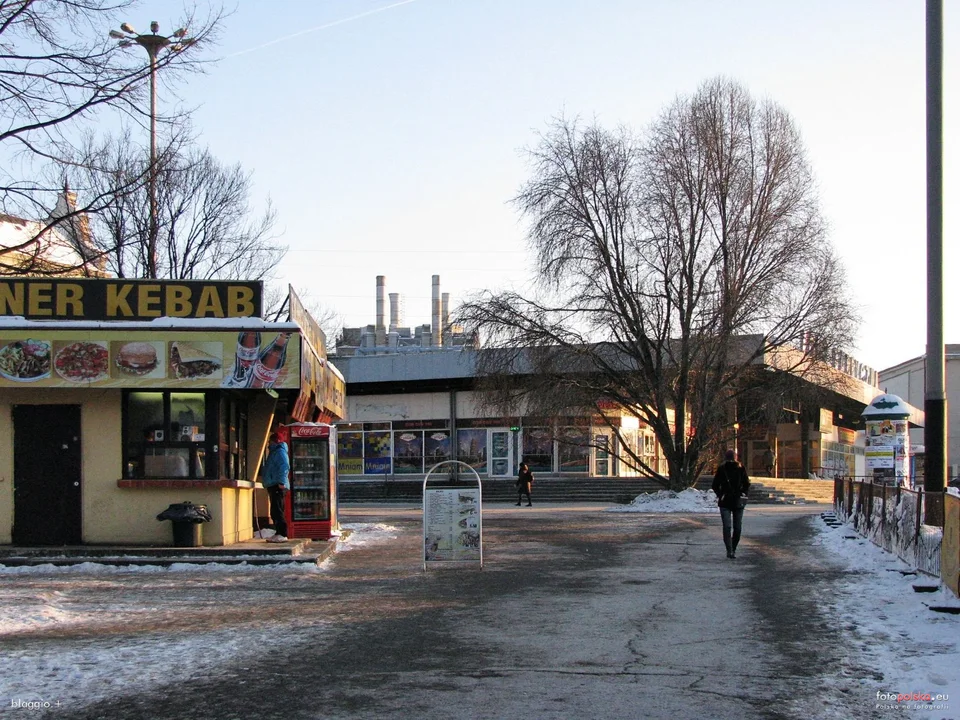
[122, 299]
[154, 359]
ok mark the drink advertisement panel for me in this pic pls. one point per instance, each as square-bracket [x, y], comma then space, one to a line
[103, 358]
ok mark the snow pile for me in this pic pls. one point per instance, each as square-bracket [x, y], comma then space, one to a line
[690, 500]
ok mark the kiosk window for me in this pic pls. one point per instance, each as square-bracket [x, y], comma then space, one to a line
[165, 434]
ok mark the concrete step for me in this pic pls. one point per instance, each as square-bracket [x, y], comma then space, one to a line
[772, 490]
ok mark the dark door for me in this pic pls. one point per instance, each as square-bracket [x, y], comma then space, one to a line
[46, 475]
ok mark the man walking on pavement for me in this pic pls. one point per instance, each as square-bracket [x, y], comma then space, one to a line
[276, 472]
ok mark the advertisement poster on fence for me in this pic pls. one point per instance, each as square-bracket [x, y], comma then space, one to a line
[451, 525]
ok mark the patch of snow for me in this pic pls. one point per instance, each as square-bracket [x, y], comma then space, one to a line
[690, 500]
[916, 649]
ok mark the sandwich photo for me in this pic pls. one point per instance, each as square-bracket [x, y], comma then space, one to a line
[195, 360]
[136, 358]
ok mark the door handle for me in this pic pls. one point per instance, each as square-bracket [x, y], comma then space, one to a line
[76, 484]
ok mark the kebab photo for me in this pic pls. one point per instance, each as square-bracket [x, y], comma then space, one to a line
[190, 361]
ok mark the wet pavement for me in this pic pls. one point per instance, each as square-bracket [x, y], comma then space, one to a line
[577, 612]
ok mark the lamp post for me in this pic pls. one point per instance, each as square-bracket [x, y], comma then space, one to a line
[153, 44]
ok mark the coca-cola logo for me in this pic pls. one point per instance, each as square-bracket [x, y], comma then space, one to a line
[310, 431]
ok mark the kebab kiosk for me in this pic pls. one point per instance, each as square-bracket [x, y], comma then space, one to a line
[119, 398]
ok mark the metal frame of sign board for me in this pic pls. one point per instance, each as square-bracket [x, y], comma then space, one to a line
[460, 504]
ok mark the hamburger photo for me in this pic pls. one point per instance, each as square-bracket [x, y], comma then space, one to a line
[137, 358]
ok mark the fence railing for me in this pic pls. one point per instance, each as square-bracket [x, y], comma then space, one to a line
[893, 518]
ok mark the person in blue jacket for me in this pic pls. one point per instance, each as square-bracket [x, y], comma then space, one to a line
[276, 479]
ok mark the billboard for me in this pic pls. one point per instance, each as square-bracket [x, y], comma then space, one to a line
[97, 358]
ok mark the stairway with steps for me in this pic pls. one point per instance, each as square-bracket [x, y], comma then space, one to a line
[583, 489]
[545, 489]
[791, 491]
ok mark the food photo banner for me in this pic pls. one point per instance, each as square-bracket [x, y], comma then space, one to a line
[113, 299]
[149, 359]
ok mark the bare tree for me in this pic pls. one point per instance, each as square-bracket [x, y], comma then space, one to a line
[206, 227]
[669, 267]
[60, 70]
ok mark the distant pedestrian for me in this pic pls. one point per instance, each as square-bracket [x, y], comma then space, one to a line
[524, 484]
[276, 479]
[731, 486]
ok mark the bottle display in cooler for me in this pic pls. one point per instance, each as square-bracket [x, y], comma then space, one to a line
[310, 476]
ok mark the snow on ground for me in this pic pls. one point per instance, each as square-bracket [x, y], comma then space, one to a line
[916, 649]
[361, 534]
[94, 667]
[690, 500]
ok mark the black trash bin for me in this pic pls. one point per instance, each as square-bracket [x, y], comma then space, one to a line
[186, 519]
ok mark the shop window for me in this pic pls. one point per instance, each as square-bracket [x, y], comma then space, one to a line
[349, 452]
[165, 434]
[630, 441]
[376, 452]
[436, 447]
[472, 448]
[538, 449]
[233, 437]
[573, 450]
[649, 449]
[408, 452]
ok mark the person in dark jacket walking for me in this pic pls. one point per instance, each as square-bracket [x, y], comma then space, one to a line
[731, 486]
[524, 483]
[276, 479]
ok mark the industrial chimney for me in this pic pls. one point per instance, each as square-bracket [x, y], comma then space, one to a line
[381, 330]
[445, 317]
[396, 312]
[435, 305]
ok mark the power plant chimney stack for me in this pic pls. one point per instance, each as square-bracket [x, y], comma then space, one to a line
[381, 329]
[437, 329]
[396, 312]
[445, 317]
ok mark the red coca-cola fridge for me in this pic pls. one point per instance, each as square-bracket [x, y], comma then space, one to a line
[312, 500]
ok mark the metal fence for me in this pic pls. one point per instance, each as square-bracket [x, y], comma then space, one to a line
[893, 518]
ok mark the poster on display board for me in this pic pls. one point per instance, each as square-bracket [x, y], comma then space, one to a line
[103, 358]
[878, 458]
[452, 520]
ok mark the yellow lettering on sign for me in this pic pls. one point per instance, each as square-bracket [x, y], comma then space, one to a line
[69, 300]
[209, 304]
[239, 301]
[117, 301]
[148, 300]
[11, 298]
[178, 301]
[41, 296]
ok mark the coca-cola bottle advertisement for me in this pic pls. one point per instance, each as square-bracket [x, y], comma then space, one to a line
[256, 367]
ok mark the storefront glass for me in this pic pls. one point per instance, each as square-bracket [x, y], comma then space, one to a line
[408, 452]
[165, 434]
[376, 451]
[349, 451]
[472, 448]
[436, 447]
[538, 449]
[574, 450]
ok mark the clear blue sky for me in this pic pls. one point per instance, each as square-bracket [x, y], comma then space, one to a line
[388, 133]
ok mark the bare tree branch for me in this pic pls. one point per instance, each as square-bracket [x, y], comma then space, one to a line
[670, 266]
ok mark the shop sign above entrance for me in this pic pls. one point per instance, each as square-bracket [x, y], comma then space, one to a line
[122, 299]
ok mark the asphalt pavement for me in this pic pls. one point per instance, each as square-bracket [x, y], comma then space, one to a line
[576, 613]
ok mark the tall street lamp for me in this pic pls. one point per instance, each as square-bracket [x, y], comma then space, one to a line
[153, 44]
